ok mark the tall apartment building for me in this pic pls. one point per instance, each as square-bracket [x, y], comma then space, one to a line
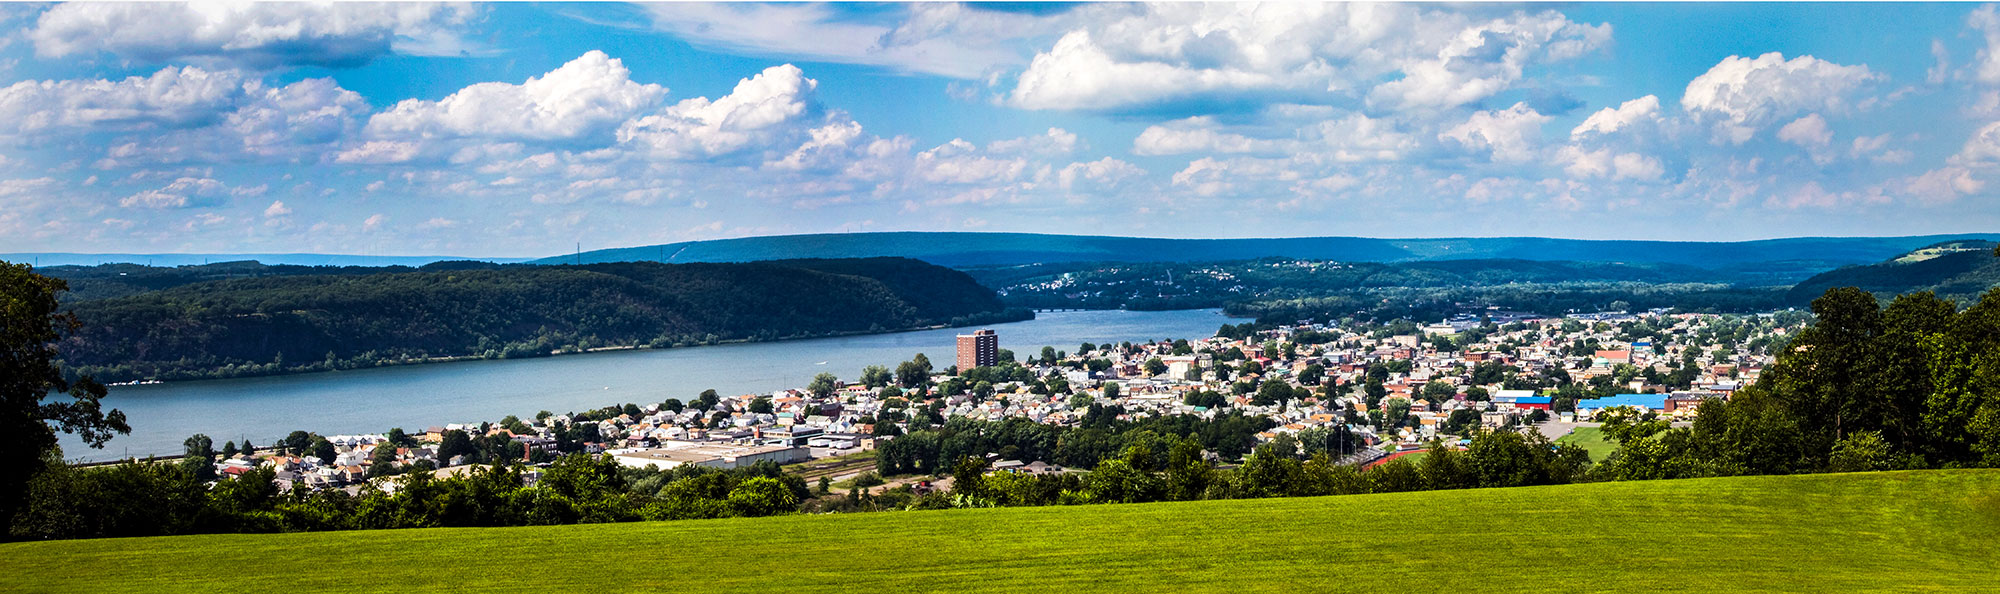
[978, 349]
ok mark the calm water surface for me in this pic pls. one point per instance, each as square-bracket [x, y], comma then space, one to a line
[417, 396]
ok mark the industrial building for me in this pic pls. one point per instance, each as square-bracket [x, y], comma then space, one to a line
[724, 456]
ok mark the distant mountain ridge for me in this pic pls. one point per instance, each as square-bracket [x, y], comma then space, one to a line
[971, 249]
[40, 259]
[982, 249]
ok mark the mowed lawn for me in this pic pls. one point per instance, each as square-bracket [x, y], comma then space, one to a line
[1592, 440]
[1893, 532]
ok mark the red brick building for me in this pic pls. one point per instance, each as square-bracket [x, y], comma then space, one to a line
[978, 349]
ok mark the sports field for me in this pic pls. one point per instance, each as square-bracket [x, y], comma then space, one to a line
[1894, 532]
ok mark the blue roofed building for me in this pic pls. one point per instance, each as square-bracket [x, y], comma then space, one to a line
[1645, 402]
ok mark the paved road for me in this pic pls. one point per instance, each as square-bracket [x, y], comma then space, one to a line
[1556, 429]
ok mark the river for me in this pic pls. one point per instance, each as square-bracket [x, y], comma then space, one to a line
[265, 409]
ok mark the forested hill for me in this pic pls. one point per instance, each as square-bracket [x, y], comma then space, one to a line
[288, 323]
[966, 249]
[122, 279]
[1957, 270]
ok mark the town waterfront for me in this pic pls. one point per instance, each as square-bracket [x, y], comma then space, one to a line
[264, 409]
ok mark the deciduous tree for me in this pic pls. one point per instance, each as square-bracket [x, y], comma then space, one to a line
[36, 400]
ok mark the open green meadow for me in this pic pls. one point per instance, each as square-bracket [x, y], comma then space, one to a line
[1893, 531]
[1592, 440]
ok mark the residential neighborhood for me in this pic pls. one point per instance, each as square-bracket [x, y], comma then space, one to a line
[1394, 387]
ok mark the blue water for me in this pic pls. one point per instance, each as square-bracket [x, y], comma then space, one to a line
[417, 396]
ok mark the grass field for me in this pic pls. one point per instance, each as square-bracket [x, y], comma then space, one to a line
[1592, 440]
[835, 466]
[1901, 532]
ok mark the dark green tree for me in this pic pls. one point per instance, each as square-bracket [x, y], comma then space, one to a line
[198, 459]
[455, 443]
[876, 376]
[36, 400]
[915, 373]
[324, 450]
[297, 441]
[823, 385]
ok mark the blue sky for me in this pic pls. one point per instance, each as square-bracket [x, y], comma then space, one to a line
[524, 129]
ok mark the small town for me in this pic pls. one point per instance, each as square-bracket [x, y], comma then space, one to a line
[1393, 388]
[999, 296]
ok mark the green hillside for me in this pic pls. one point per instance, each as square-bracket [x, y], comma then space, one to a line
[346, 318]
[1956, 270]
[963, 249]
[105, 281]
[1891, 532]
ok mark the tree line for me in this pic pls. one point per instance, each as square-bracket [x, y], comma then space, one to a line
[141, 499]
[1912, 385]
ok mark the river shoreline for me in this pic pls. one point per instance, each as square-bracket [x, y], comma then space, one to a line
[372, 400]
[1002, 317]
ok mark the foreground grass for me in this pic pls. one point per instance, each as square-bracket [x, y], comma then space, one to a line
[1900, 531]
[1592, 440]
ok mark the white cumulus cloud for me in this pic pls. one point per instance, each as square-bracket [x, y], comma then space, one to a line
[172, 97]
[946, 39]
[181, 193]
[1394, 56]
[1741, 95]
[585, 96]
[1510, 135]
[775, 107]
[1613, 119]
[254, 34]
[1810, 132]
[1102, 172]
